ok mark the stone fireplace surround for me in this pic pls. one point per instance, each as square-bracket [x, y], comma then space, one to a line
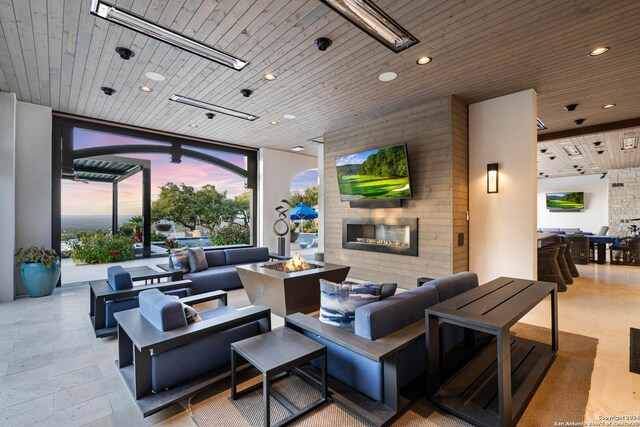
[397, 236]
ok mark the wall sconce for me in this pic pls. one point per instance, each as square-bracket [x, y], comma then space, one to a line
[492, 178]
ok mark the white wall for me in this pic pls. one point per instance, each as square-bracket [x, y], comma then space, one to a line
[7, 193]
[275, 171]
[502, 226]
[596, 203]
[33, 179]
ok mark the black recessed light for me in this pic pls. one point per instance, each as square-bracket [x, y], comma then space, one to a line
[571, 107]
[597, 143]
[576, 166]
[600, 151]
[544, 150]
[546, 176]
[246, 92]
[209, 115]
[552, 157]
[579, 121]
[541, 173]
[582, 173]
[108, 90]
[125, 53]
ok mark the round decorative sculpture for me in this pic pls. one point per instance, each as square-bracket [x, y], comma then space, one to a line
[282, 219]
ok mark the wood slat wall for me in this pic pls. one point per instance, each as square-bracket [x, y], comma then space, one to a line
[459, 183]
[435, 134]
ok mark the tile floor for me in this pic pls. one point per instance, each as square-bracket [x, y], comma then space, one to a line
[54, 372]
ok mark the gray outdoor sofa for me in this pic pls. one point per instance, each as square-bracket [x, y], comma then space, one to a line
[222, 274]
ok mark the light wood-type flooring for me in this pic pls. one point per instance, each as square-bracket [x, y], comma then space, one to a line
[53, 372]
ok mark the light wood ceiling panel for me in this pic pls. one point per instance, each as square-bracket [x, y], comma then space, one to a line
[589, 161]
[53, 52]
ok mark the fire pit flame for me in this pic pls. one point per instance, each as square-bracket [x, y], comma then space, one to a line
[295, 264]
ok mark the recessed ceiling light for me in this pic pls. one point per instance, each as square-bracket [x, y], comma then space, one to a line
[273, 123]
[388, 76]
[540, 125]
[424, 60]
[269, 77]
[156, 77]
[606, 107]
[289, 116]
[297, 148]
[146, 89]
[193, 125]
[579, 121]
[599, 51]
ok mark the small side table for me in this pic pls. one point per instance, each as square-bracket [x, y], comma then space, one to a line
[272, 354]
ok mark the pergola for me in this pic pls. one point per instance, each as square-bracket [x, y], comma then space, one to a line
[114, 170]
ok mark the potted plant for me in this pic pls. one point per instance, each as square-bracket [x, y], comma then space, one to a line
[293, 228]
[39, 270]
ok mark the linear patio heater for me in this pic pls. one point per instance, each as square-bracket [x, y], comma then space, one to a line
[142, 26]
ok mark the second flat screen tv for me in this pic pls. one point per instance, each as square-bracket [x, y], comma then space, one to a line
[382, 173]
[573, 201]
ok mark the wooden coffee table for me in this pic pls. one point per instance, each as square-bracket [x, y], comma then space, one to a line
[275, 353]
[492, 389]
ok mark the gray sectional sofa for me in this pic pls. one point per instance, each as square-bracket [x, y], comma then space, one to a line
[222, 274]
[387, 350]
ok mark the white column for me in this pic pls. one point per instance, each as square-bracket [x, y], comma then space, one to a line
[502, 226]
[33, 179]
[7, 194]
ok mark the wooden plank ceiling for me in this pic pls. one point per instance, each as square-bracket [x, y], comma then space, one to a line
[54, 53]
[556, 162]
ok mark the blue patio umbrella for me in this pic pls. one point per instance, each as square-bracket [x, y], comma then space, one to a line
[302, 212]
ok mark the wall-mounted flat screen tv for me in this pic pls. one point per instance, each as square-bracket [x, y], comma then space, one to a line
[573, 201]
[382, 173]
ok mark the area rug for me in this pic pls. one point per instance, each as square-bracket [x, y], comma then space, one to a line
[562, 395]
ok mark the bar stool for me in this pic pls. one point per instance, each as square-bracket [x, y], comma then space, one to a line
[562, 261]
[569, 258]
[548, 268]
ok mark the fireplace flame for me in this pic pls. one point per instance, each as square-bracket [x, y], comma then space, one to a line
[296, 263]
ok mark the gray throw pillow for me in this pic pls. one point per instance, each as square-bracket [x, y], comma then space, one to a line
[179, 259]
[338, 301]
[197, 259]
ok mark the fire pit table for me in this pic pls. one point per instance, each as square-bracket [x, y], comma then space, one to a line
[287, 292]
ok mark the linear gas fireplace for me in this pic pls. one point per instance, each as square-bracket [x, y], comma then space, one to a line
[395, 236]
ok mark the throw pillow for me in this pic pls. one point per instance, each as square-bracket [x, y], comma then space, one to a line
[191, 314]
[338, 301]
[197, 259]
[388, 289]
[179, 259]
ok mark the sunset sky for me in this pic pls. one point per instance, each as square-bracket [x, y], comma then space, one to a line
[95, 198]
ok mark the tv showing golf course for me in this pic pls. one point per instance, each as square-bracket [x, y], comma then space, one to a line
[382, 173]
[565, 201]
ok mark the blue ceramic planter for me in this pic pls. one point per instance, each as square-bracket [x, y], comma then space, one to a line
[38, 279]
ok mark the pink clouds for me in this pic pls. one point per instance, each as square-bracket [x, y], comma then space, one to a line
[96, 198]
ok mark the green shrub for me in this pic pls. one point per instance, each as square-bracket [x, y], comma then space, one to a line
[102, 248]
[231, 234]
[310, 226]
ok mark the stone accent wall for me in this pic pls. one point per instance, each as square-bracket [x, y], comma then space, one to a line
[624, 202]
[438, 166]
